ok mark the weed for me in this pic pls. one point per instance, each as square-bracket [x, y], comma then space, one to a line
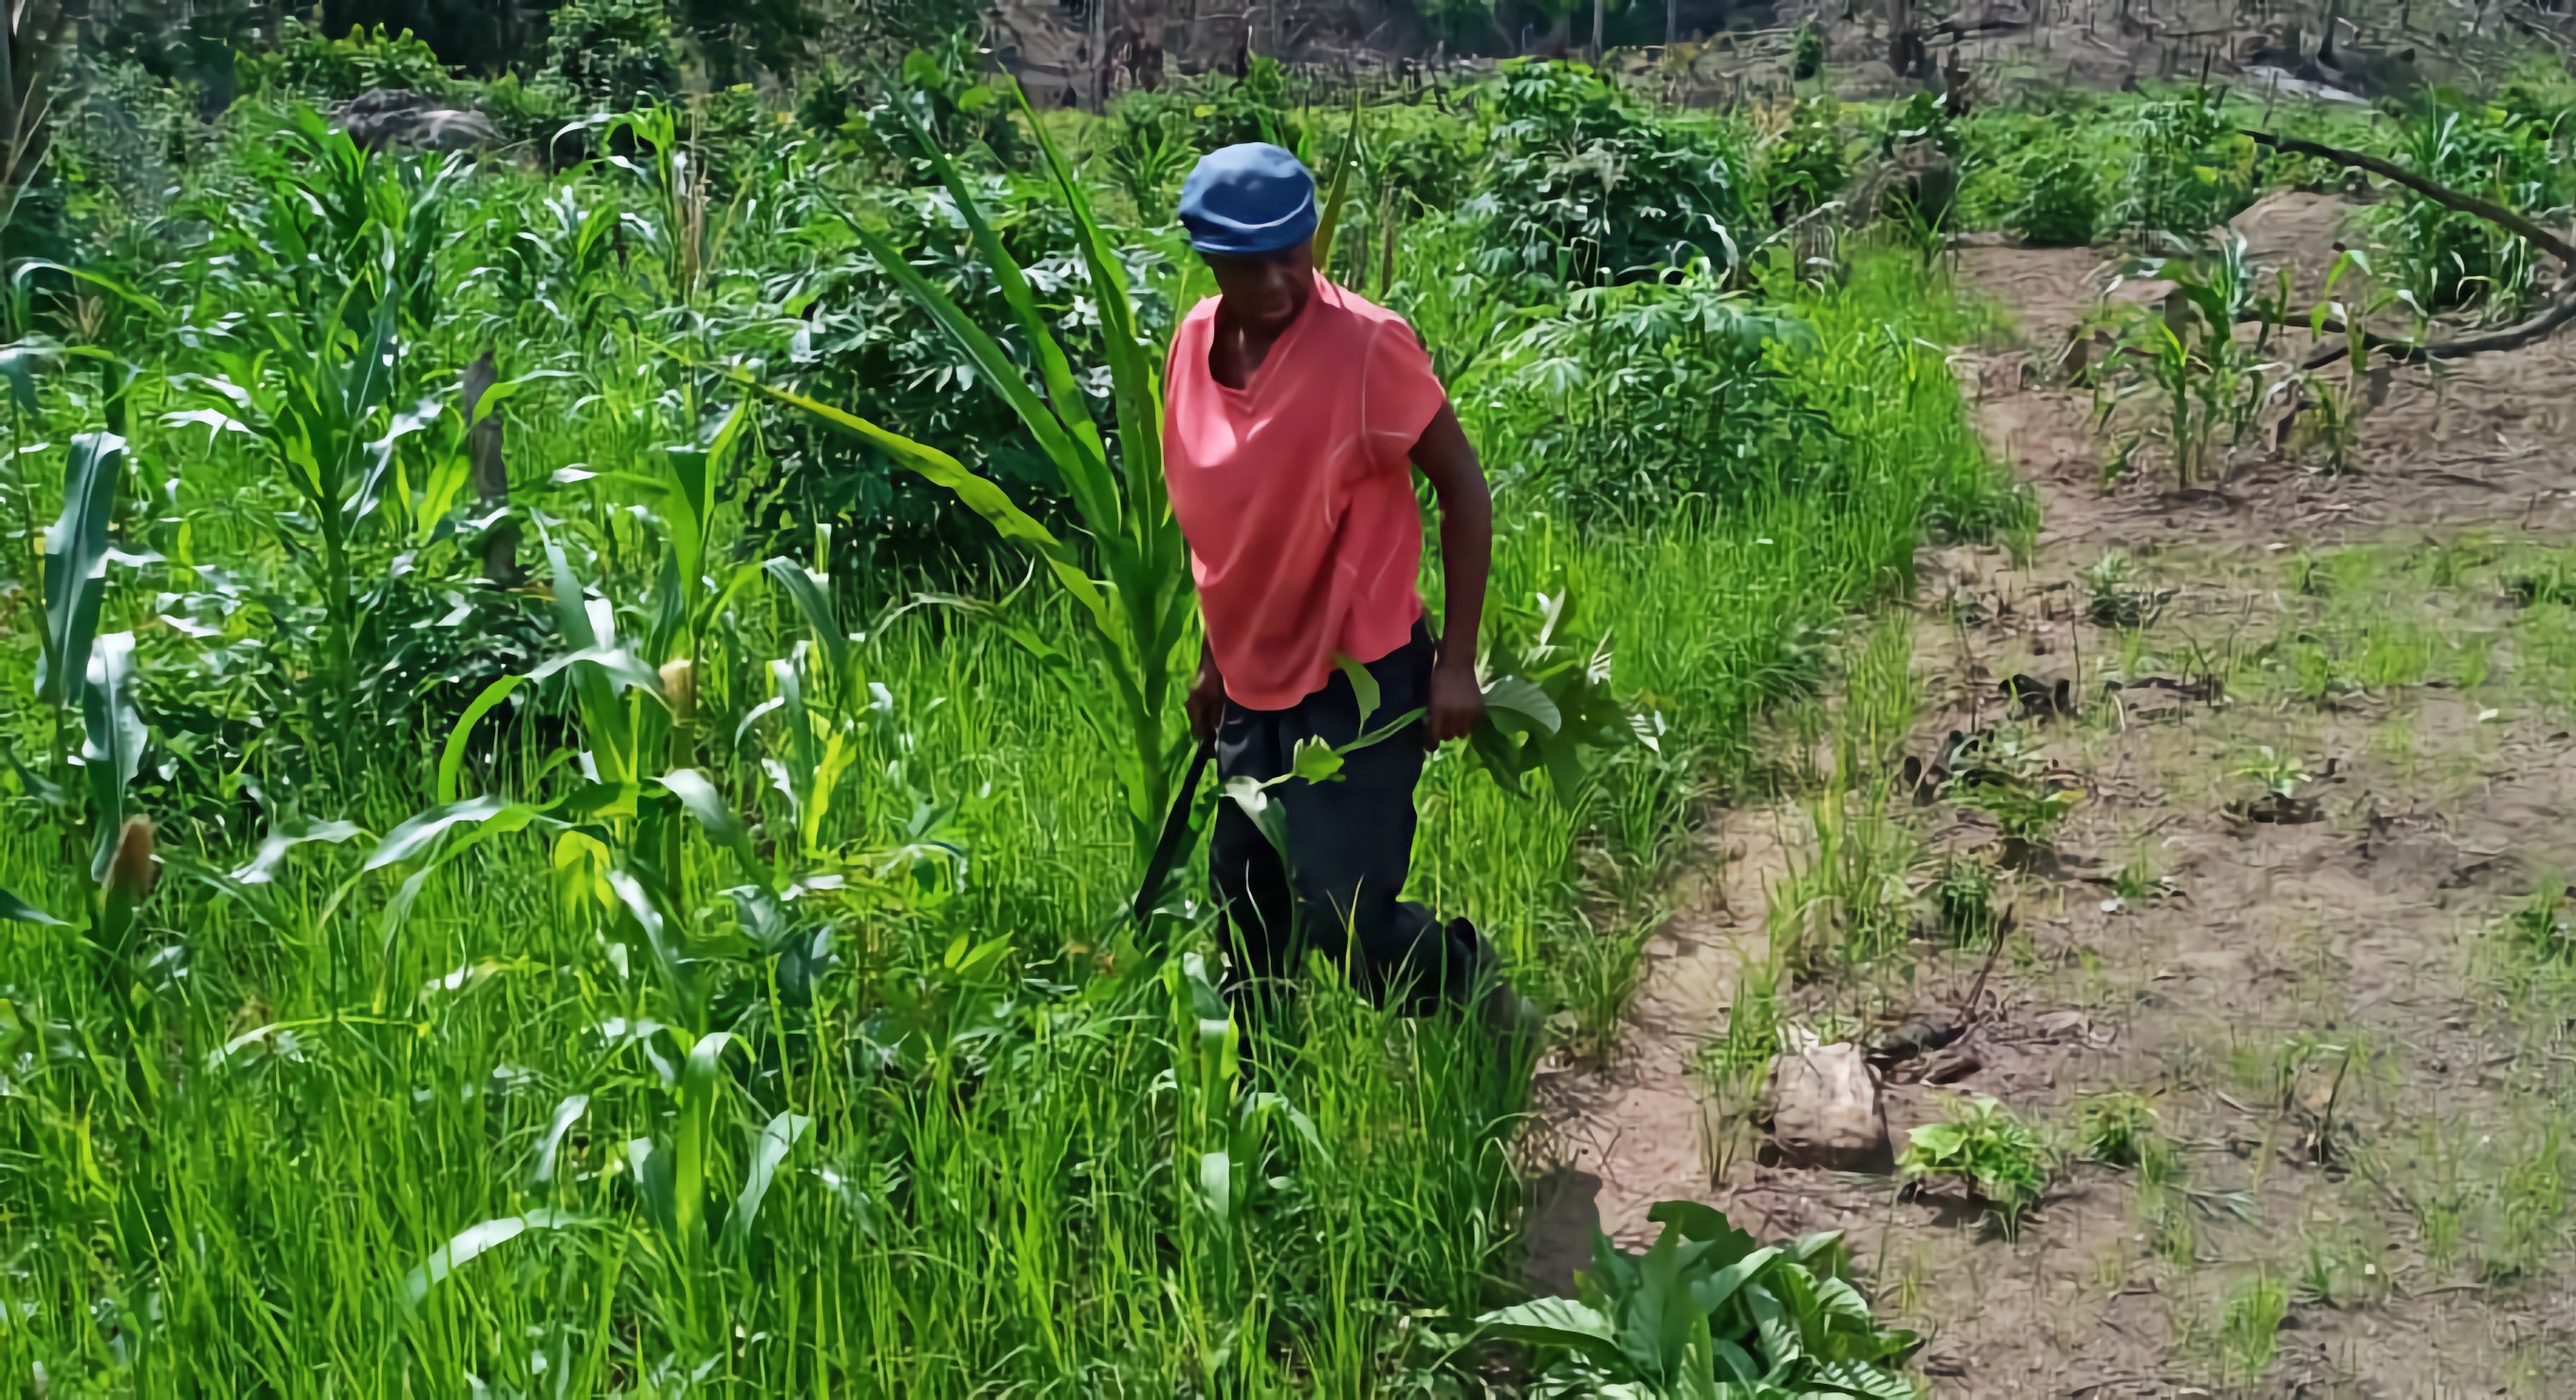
[2541, 928]
[1982, 1146]
[2249, 1326]
[1964, 897]
[2114, 1127]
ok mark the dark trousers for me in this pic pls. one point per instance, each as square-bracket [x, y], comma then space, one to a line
[1350, 844]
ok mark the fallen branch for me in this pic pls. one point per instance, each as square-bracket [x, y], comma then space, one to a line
[2443, 195]
[2553, 314]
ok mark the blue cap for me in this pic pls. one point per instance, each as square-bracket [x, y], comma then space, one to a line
[1249, 199]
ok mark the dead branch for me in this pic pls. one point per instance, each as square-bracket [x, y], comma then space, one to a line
[2443, 195]
[2553, 314]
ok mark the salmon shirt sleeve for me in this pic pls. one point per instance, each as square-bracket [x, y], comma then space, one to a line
[1296, 493]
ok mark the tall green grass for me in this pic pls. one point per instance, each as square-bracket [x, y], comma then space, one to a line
[314, 1149]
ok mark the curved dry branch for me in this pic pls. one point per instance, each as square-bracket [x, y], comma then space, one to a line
[2553, 314]
[2440, 194]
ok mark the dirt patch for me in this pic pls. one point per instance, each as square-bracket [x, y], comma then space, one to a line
[2323, 754]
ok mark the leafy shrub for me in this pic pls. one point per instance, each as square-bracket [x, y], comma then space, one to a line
[612, 54]
[1806, 164]
[2192, 169]
[1212, 110]
[2061, 199]
[1980, 1145]
[1635, 397]
[309, 65]
[863, 343]
[1703, 1309]
[1588, 187]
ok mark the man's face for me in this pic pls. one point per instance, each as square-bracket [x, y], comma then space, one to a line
[1263, 294]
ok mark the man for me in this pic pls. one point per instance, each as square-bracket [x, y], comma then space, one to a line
[1294, 416]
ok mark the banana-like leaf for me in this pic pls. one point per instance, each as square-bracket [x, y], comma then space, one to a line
[1558, 1322]
[474, 1241]
[76, 563]
[767, 1153]
[112, 739]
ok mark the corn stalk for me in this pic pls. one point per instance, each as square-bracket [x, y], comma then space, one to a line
[1140, 612]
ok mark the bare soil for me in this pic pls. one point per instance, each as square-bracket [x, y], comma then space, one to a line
[2362, 1089]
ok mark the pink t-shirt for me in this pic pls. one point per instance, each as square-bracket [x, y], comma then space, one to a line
[1296, 492]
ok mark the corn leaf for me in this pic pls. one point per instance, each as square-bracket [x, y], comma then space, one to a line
[76, 563]
[767, 1153]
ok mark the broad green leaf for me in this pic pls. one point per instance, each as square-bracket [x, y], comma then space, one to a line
[567, 1113]
[421, 832]
[474, 1241]
[76, 550]
[1363, 685]
[1315, 761]
[708, 809]
[451, 760]
[1558, 1322]
[112, 739]
[285, 836]
[702, 1086]
[974, 492]
[811, 593]
[16, 910]
[1512, 699]
[767, 1153]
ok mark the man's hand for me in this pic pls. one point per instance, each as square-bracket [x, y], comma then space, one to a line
[1457, 702]
[1207, 699]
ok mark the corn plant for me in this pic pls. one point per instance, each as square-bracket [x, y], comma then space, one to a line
[2204, 375]
[1140, 614]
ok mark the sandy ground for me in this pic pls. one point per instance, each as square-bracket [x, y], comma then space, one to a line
[2364, 1120]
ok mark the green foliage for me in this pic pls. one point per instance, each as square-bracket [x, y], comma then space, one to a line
[2191, 169]
[1704, 1315]
[1806, 164]
[314, 67]
[2541, 926]
[1964, 898]
[2445, 259]
[1632, 398]
[2115, 1127]
[611, 54]
[1806, 53]
[2204, 372]
[1587, 186]
[2061, 199]
[1980, 1145]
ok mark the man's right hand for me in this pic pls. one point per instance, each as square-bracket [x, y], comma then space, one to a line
[1207, 700]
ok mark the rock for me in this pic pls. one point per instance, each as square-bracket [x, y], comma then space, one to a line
[381, 117]
[1825, 1110]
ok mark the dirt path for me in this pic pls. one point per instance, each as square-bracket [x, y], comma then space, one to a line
[2322, 732]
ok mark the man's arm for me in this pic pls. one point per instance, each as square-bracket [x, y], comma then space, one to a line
[1466, 555]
